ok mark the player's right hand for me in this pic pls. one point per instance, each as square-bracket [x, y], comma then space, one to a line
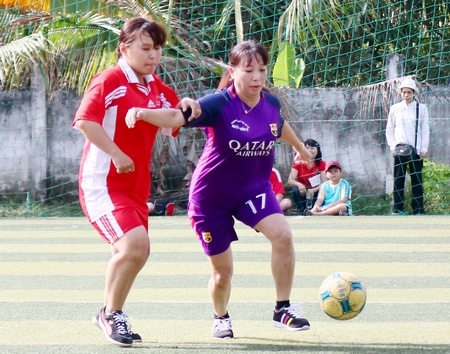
[122, 162]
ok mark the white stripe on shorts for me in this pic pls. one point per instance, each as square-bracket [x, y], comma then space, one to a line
[109, 227]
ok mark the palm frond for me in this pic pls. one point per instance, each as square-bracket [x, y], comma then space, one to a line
[20, 57]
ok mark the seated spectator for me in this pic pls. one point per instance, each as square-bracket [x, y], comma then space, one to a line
[278, 189]
[307, 177]
[161, 208]
[334, 195]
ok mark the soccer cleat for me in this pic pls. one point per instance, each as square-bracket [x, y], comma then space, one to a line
[222, 328]
[289, 318]
[114, 327]
[135, 336]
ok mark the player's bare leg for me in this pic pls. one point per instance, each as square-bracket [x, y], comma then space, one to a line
[277, 230]
[219, 288]
[129, 255]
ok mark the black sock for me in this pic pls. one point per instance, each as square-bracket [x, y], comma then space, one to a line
[281, 304]
[224, 316]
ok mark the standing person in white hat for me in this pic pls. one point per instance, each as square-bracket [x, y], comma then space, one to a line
[408, 134]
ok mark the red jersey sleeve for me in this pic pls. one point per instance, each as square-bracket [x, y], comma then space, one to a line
[95, 101]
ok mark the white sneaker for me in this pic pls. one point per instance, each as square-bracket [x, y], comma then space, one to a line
[222, 328]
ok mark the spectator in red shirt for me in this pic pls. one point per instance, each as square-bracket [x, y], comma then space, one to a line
[306, 177]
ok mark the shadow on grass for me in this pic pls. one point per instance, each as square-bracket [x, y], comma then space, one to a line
[230, 346]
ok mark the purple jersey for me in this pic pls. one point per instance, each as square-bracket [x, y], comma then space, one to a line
[238, 155]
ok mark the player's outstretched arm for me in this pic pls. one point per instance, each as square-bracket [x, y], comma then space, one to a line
[288, 136]
[162, 117]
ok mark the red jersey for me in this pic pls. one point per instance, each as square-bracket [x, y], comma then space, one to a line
[305, 173]
[276, 182]
[109, 97]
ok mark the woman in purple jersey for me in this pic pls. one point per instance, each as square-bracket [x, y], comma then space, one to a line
[242, 122]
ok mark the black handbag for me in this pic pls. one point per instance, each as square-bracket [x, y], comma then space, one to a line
[406, 149]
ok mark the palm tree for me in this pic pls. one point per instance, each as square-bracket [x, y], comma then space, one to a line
[345, 44]
[70, 48]
[67, 49]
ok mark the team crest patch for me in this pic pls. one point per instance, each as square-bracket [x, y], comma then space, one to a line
[207, 237]
[273, 129]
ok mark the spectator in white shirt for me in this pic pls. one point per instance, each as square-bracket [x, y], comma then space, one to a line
[402, 129]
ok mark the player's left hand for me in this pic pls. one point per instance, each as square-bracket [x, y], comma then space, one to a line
[132, 117]
[187, 103]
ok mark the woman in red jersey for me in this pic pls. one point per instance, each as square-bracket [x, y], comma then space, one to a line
[114, 175]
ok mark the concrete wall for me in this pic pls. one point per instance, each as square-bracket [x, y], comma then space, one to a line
[40, 151]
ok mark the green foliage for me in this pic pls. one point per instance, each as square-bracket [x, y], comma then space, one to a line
[345, 43]
[288, 69]
[436, 183]
[371, 205]
[342, 43]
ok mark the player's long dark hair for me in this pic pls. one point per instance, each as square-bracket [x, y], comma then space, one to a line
[313, 143]
[246, 50]
[140, 25]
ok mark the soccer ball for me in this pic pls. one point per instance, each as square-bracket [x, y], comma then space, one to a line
[342, 296]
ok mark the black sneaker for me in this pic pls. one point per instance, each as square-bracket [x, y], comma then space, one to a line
[114, 327]
[134, 336]
[289, 318]
[222, 328]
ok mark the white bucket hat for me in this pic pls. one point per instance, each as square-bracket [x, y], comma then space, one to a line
[409, 83]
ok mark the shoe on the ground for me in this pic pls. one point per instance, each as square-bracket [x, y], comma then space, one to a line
[170, 209]
[222, 328]
[399, 212]
[114, 327]
[307, 212]
[342, 213]
[134, 336]
[290, 318]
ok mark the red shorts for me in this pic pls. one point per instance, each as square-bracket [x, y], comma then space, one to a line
[113, 225]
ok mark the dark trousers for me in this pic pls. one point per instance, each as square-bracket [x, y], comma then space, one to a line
[415, 164]
[300, 200]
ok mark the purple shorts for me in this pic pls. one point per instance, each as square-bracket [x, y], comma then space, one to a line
[214, 226]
